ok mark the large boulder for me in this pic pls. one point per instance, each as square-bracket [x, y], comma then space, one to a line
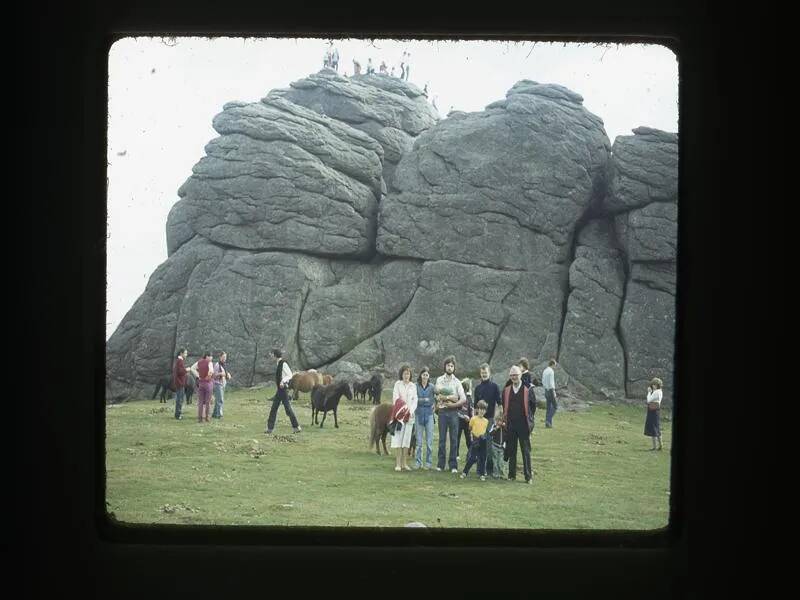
[500, 234]
[282, 177]
[645, 169]
[501, 188]
[644, 193]
[476, 313]
[388, 109]
[363, 300]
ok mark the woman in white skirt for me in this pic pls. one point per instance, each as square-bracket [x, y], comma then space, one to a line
[652, 422]
[406, 390]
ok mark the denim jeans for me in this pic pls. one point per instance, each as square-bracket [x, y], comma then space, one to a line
[448, 427]
[219, 399]
[179, 396]
[424, 417]
[477, 453]
[495, 460]
[281, 397]
[552, 406]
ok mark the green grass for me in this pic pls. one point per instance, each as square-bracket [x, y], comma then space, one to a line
[593, 470]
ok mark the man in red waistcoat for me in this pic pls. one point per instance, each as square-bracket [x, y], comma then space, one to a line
[203, 370]
[519, 405]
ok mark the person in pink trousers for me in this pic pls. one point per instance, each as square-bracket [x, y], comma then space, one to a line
[204, 372]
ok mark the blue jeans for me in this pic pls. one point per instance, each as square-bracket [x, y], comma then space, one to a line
[281, 397]
[424, 417]
[552, 406]
[477, 454]
[448, 422]
[179, 397]
[219, 399]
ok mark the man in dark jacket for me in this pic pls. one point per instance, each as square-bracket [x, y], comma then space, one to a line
[488, 391]
[179, 380]
[519, 405]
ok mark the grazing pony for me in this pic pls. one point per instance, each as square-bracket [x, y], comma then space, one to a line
[379, 429]
[325, 398]
[164, 385]
[360, 388]
[376, 385]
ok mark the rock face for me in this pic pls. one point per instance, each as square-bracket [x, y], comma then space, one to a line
[503, 188]
[590, 348]
[646, 183]
[391, 111]
[341, 221]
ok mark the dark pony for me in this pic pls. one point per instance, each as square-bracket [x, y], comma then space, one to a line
[164, 385]
[360, 389]
[376, 385]
[379, 429]
[325, 398]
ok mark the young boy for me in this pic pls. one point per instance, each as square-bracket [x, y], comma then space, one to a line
[497, 449]
[478, 426]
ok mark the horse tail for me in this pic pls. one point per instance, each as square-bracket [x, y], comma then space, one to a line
[374, 430]
[155, 392]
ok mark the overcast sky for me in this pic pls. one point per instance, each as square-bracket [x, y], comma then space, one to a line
[164, 92]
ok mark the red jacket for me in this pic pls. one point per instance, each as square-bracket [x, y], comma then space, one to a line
[400, 411]
[178, 374]
[204, 369]
[525, 402]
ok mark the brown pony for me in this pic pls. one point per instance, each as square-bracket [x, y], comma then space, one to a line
[379, 429]
[325, 398]
[379, 426]
[327, 379]
[303, 381]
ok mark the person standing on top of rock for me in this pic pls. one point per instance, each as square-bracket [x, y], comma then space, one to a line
[204, 373]
[408, 66]
[334, 57]
[518, 413]
[283, 374]
[391, 73]
[403, 66]
[450, 397]
[382, 68]
[356, 67]
[370, 68]
[179, 381]
[549, 384]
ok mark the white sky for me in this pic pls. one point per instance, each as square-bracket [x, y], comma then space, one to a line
[163, 94]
